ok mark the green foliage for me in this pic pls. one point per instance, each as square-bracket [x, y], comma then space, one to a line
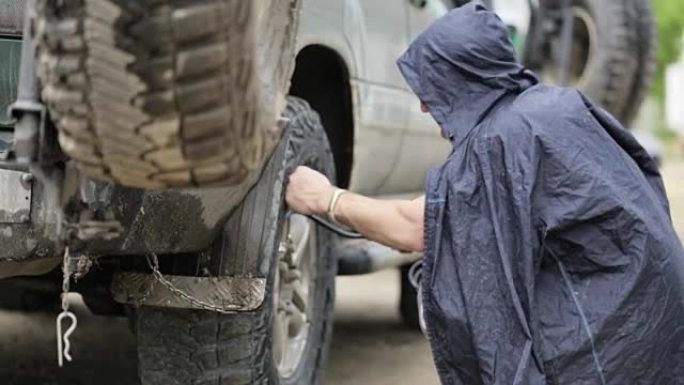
[664, 133]
[670, 20]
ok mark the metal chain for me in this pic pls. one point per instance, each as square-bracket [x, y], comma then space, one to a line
[66, 278]
[153, 262]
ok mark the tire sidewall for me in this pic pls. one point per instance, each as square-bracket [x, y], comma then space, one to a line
[175, 346]
[303, 143]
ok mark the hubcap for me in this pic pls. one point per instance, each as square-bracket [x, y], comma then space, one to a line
[293, 292]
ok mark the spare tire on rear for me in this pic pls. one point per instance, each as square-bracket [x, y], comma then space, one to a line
[157, 94]
[612, 56]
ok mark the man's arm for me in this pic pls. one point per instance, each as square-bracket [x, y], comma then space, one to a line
[394, 223]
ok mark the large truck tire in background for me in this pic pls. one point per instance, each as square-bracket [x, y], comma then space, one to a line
[612, 56]
[157, 94]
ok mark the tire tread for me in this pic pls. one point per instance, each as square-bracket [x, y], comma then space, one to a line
[151, 69]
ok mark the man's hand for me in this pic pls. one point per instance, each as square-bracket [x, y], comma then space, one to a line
[308, 192]
[395, 223]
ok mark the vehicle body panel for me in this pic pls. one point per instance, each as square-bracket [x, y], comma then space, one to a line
[382, 118]
[380, 104]
[422, 146]
[379, 110]
[375, 34]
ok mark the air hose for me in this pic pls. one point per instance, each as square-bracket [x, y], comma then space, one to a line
[336, 229]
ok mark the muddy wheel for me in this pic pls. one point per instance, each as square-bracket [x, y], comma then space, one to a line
[163, 93]
[284, 341]
[605, 61]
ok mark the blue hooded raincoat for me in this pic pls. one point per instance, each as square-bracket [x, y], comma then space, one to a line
[550, 254]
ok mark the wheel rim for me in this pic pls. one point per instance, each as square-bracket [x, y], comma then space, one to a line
[293, 293]
[584, 45]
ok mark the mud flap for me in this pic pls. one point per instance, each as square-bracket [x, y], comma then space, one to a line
[224, 294]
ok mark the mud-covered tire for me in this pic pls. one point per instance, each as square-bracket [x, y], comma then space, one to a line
[601, 65]
[177, 346]
[165, 93]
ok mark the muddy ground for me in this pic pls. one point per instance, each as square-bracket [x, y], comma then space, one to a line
[370, 344]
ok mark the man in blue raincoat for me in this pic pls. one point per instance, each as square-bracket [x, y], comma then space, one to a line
[549, 253]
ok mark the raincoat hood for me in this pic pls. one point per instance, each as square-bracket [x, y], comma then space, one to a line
[462, 66]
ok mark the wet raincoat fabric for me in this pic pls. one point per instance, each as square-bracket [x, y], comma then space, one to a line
[550, 256]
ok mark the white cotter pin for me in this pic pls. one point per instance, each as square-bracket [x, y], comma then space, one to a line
[63, 344]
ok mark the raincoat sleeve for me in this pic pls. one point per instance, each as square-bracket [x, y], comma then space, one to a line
[493, 251]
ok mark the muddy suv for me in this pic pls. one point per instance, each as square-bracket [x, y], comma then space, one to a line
[145, 156]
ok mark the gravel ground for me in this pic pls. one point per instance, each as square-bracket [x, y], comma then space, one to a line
[370, 344]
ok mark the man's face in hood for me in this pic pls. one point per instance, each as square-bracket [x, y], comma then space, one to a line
[423, 108]
[461, 66]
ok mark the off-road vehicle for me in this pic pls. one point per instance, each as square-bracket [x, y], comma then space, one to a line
[148, 142]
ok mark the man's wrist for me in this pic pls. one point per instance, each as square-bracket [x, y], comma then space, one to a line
[324, 201]
[332, 204]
